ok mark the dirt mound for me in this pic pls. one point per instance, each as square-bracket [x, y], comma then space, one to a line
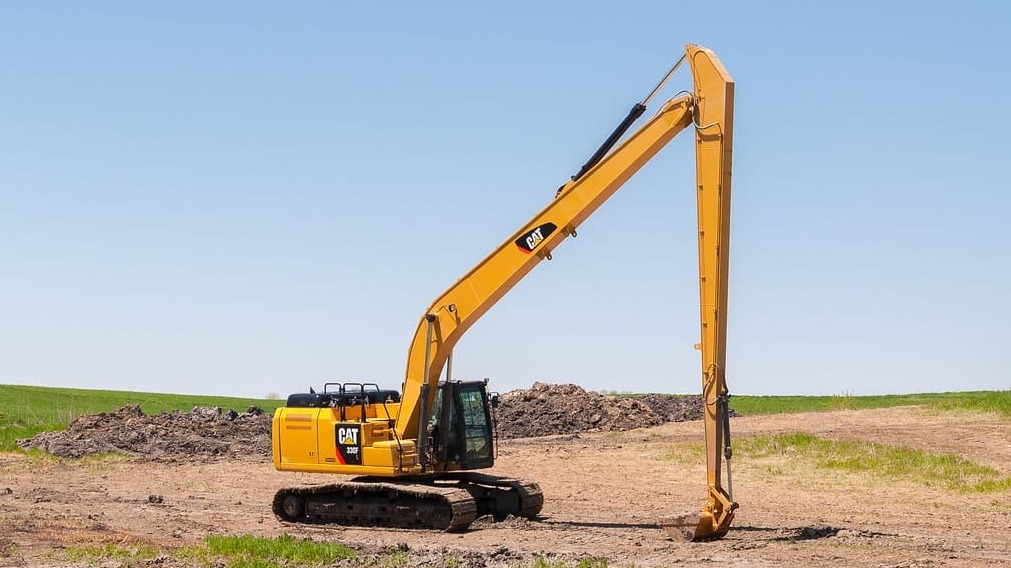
[542, 410]
[127, 430]
[676, 407]
[546, 409]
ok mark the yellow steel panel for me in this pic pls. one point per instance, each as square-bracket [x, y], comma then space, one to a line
[714, 113]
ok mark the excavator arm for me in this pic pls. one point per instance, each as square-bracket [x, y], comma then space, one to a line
[710, 109]
[714, 136]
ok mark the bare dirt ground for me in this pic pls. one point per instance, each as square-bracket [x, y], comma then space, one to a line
[604, 492]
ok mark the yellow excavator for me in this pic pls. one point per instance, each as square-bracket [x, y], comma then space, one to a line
[415, 452]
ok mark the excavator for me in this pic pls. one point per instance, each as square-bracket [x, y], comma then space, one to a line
[415, 453]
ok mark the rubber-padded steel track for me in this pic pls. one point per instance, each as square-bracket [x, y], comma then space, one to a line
[447, 501]
[511, 496]
[387, 504]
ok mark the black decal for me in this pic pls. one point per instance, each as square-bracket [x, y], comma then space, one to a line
[349, 443]
[532, 238]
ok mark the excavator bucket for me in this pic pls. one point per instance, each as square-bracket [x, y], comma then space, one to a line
[697, 526]
[682, 528]
[691, 528]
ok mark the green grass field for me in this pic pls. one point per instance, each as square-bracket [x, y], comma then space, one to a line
[26, 411]
[986, 401]
[880, 460]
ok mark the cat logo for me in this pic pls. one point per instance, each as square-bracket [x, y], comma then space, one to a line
[349, 443]
[528, 241]
[348, 436]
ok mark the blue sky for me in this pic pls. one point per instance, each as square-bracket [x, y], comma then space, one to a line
[251, 198]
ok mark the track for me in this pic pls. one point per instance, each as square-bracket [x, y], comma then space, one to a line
[500, 496]
[447, 502]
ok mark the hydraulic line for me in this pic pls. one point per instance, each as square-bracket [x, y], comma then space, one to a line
[619, 131]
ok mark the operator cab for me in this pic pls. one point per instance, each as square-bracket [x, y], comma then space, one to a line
[460, 429]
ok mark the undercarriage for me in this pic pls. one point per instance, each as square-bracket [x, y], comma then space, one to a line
[447, 501]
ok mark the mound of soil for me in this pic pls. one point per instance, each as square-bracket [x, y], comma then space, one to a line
[676, 407]
[127, 430]
[546, 409]
[542, 410]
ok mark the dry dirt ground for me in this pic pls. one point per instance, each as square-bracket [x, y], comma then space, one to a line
[603, 491]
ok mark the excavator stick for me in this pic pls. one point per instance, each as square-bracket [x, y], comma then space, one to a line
[714, 120]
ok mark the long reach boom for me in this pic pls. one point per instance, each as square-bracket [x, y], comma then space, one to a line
[710, 108]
